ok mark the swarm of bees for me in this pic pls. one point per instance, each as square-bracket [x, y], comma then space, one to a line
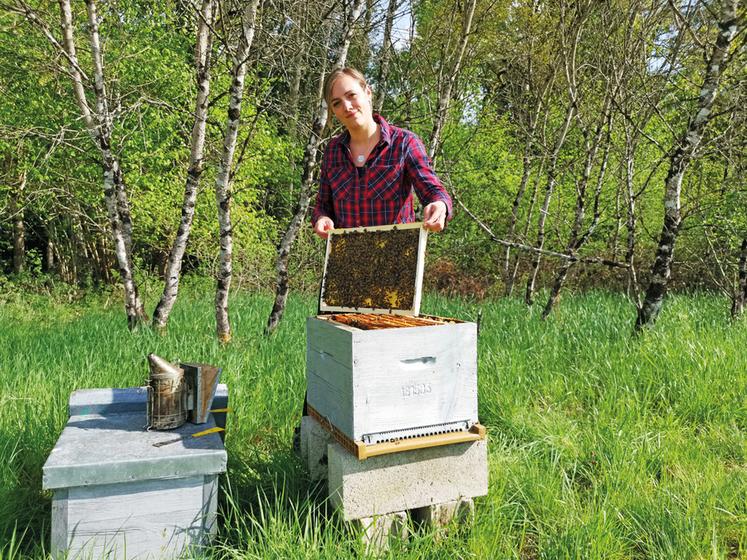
[374, 269]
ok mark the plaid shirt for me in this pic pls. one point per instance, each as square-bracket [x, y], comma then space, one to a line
[380, 192]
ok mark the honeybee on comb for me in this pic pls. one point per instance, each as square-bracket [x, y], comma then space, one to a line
[372, 269]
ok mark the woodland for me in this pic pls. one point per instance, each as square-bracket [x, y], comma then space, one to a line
[586, 144]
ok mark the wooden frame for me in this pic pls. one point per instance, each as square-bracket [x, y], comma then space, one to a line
[418, 280]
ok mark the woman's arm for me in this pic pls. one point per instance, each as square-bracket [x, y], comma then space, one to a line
[427, 185]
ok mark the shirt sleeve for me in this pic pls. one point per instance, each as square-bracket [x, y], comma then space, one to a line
[323, 206]
[419, 170]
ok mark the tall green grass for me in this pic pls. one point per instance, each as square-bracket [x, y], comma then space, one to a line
[602, 444]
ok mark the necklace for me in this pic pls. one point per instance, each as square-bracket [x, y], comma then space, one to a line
[361, 158]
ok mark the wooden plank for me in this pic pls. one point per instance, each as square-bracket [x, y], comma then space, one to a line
[424, 442]
[60, 536]
[363, 451]
[333, 339]
[332, 404]
[156, 518]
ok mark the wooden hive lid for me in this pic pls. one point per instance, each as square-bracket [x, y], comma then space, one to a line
[375, 269]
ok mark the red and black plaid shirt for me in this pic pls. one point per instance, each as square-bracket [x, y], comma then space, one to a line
[380, 192]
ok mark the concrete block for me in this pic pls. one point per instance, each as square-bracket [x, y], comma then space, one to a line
[406, 480]
[314, 440]
[378, 533]
[440, 516]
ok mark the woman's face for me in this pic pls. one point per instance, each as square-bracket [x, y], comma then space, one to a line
[350, 102]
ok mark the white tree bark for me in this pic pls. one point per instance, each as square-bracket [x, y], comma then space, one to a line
[98, 125]
[447, 87]
[223, 181]
[569, 66]
[309, 167]
[172, 275]
[386, 55]
[683, 154]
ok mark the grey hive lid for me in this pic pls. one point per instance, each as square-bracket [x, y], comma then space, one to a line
[96, 449]
[374, 269]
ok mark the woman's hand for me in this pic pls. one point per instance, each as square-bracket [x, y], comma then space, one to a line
[434, 216]
[322, 225]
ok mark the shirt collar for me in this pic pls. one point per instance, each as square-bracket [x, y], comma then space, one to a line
[386, 131]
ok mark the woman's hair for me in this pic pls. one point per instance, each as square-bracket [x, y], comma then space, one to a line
[333, 76]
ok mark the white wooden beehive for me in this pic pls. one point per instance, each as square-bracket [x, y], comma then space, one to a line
[383, 384]
[115, 495]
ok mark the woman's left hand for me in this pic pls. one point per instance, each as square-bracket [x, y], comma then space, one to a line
[434, 216]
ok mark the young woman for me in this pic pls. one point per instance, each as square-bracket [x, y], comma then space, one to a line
[369, 171]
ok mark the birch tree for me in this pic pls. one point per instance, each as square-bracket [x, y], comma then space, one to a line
[310, 160]
[203, 48]
[448, 78]
[98, 122]
[223, 180]
[385, 56]
[682, 154]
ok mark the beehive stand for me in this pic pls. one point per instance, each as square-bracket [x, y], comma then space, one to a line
[116, 495]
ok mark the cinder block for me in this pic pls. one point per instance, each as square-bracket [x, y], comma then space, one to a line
[378, 532]
[314, 440]
[406, 480]
[440, 516]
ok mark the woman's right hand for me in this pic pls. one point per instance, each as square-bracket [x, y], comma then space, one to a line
[323, 225]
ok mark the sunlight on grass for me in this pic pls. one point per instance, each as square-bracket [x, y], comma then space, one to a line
[602, 444]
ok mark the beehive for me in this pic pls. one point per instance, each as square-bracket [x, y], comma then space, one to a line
[116, 495]
[376, 370]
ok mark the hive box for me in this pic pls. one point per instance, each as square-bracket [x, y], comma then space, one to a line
[387, 374]
[116, 494]
[376, 385]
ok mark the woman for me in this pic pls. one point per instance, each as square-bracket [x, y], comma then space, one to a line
[369, 172]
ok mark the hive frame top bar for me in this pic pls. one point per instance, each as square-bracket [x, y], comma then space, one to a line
[414, 310]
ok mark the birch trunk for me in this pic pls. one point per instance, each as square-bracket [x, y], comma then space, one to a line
[678, 163]
[508, 278]
[740, 296]
[386, 55]
[99, 128]
[172, 275]
[530, 213]
[569, 67]
[549, 188]
[630, 221]
[19, 229]
[445, 91]
[307, 178]
[577, 239]
[223, 181]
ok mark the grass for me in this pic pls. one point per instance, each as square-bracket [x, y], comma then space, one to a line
[602, 444]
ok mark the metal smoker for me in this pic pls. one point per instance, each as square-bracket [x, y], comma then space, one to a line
[179, 393]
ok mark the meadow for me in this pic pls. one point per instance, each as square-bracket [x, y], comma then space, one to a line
[602, 444]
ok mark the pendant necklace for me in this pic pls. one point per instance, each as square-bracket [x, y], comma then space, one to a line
[361, 159]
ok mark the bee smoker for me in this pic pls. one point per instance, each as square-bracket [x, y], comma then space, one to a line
[179, 393]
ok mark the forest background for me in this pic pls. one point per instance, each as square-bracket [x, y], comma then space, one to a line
[587, 144]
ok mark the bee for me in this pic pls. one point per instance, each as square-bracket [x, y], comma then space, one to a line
[372, 269]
